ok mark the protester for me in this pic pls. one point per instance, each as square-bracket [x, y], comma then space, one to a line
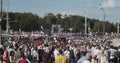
[88, 58]
[83, 58]
[23, 59]
[73, 49]
[18, 53]
[67, 54]
[56, 52]
[1, 55]
[102, 58]
[5, 56]
[61, 58]
[12, 57]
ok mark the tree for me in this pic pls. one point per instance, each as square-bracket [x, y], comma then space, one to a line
[98, 27]
[33, 22]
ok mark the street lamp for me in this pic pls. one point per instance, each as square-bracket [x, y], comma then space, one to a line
[103, 18]
[85, 21]
[118, 26]
[7, 23]
[1, 19]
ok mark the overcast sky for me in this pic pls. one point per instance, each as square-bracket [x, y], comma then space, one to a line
[75, 7]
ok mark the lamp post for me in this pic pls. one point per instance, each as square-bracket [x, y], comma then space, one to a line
[118, 28]
[85, 22]
[1, 19]
[103, 18]
[7, 23]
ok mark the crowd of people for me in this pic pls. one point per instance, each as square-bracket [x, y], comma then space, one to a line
[81, 49]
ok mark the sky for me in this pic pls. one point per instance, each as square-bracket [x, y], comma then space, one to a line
[69, 7]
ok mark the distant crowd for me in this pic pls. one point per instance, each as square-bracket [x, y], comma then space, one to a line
[72, 49]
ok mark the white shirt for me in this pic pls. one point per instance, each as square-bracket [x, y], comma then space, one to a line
[86, 61]
[34, 53]
[67, 53]
[56, 52]
[96, 52]
[103, 59]
[1, 46]
[112, 53]
[81, 60]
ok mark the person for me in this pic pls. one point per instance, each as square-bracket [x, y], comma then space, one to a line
[12, 57]
[5, 56]
[67, 54]
[83, 58]
[18, 53]
[88, 58]
[23, 59]
[1, 45]
[61, 58]
[112, 54]
[72, 56]
[1, 55]
[103, 58]
[34, 54]
[40, 55]
[56, 52]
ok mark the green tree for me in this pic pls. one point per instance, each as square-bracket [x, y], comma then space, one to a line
[33, 22]
[98, 27]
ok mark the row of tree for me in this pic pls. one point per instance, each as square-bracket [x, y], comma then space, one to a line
[33, 22]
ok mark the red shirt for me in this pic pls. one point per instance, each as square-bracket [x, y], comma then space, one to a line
[23, 61]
